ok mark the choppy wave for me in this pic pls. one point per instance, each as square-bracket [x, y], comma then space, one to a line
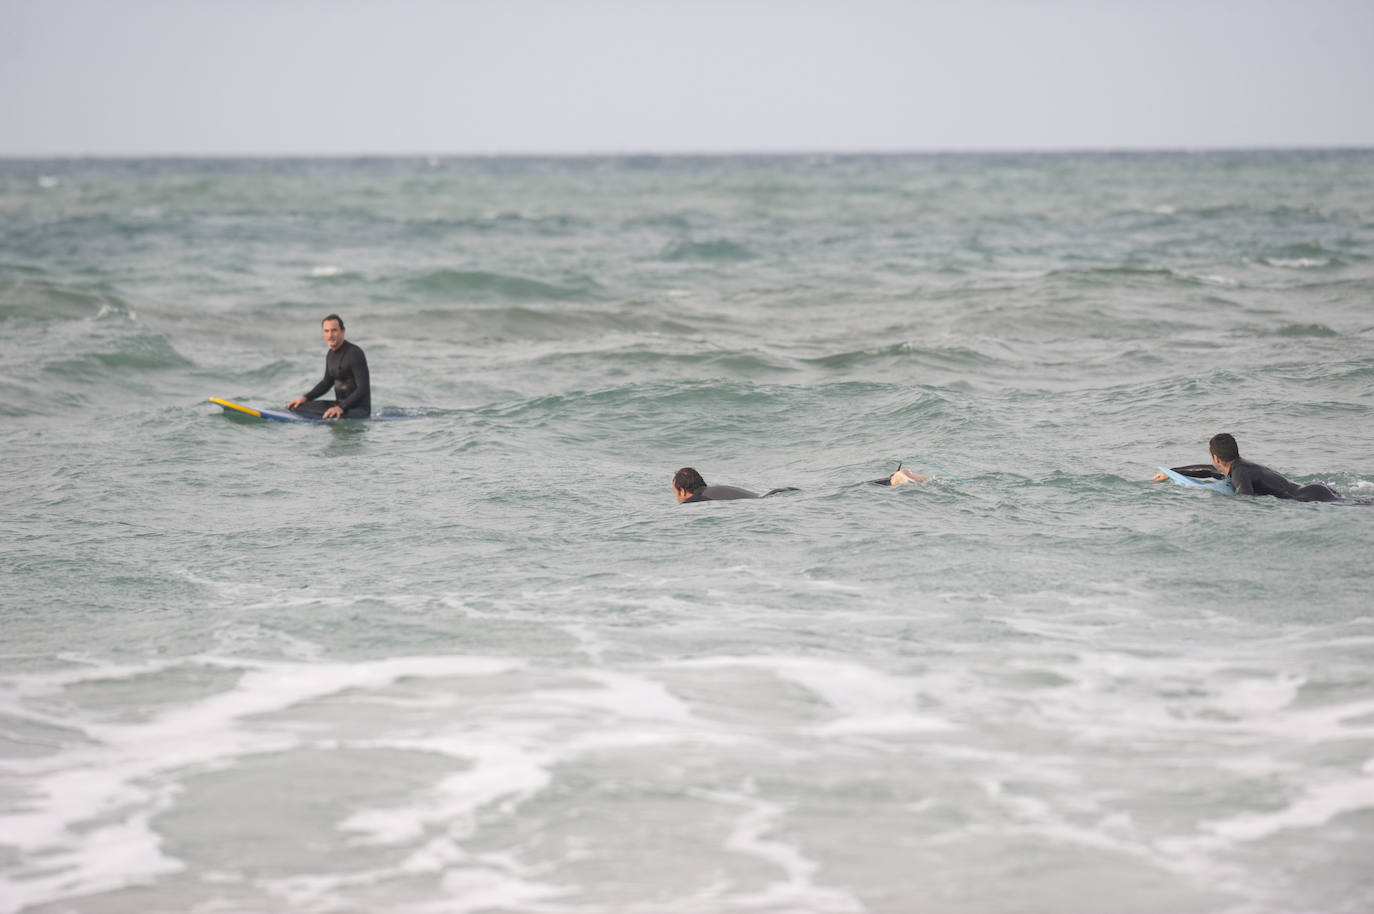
[33, 299]
[329, 273]
[499, 224]
[1306, 330]
[957, 358]
[1303, 257]
[483, 660]
[720, 250]
[469, 285]
[146, 353]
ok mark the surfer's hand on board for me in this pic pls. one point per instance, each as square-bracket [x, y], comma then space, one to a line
[296, 402]
[1158, 477]
[333, 412]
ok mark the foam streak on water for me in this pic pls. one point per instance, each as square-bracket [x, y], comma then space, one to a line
[479, 661]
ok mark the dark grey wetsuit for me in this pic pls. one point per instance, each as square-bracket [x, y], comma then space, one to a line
[345, 369]
[728, 493]
[1252, 479]
[1249, 478]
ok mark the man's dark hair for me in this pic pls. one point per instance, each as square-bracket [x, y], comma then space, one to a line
[688, 480]
[1224, 446]
[333, 317]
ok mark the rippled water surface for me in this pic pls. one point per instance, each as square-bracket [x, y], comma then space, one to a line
[479, 660]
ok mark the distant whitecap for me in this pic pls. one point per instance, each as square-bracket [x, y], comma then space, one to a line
[1212, 279]
[1209, 279]
[1297, 263]
[47, 181]
[319, 272]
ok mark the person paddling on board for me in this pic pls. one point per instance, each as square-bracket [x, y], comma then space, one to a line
[899, 478]
[1250, 478]
[688, 487]
[345, 369]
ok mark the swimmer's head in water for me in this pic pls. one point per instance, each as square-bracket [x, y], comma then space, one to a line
[685, 482]
[1224, 447]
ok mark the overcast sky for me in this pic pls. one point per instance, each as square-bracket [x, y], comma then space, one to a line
[292, 77]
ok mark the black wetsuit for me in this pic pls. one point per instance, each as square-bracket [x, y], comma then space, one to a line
[728, 493]
[345, 369]
[1200, 471]
[1249, 478]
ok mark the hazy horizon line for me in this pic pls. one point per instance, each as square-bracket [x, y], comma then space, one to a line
[703, 153]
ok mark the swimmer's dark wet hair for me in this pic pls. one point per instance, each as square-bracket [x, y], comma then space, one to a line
[333, 317]
[1224, 446]
[688, 480]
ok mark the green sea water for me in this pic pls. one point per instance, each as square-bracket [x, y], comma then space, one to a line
[480, 661]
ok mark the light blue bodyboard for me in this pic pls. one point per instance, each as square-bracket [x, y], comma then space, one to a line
[1216, 485]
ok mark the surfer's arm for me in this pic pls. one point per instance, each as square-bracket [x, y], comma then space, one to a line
[362, 383]
[325, 383]
[1196, 471]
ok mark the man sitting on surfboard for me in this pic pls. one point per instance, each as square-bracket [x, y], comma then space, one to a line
[345, 369]
[1250, 478]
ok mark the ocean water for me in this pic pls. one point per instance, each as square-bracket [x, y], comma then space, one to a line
[480, 661]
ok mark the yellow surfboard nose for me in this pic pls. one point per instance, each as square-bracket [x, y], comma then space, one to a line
[237, 407]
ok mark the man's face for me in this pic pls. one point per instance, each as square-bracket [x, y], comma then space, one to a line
[681, 494]
[333, 334]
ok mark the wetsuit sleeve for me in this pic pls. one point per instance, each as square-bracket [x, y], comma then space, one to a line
[1199, 471]
[362, 388]
[319, 389]
[718, 493]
